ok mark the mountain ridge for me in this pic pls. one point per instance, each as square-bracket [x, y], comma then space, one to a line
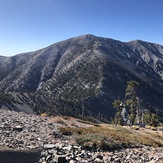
[84, 68]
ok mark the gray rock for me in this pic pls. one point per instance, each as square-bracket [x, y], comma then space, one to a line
[62, 159]
[68, 148]
[58, 145]
[48, 158]
[32, 147]
[98, 160]
[72, 161]
[52, 151]
[49, 146]
[18, 128]
[100, 157]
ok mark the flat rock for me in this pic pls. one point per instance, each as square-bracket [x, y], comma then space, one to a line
[49, 146]
[18, 128]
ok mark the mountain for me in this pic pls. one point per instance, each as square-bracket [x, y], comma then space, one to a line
[82, 75]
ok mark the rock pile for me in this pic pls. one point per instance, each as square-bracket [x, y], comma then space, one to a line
[75, 154]
[20, 131]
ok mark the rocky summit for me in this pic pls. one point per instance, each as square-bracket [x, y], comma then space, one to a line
[37, 139]
[81, 76]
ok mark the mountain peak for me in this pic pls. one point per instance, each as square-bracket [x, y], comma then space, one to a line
[88, 35]
[85, 36]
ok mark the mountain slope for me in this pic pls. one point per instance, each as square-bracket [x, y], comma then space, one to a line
[83, 75]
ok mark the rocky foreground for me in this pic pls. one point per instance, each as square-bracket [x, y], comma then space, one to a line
[31, 138]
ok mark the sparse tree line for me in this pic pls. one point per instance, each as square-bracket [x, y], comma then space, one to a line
[6, 98]
[131, 111]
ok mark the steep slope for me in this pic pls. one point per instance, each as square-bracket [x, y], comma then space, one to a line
[151, 53]
[83, 75]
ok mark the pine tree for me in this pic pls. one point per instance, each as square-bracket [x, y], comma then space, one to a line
[132, 101]
[151, 119]
[117, 104]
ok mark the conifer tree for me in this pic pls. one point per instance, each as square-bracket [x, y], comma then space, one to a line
[132, 101]
[117, 104]
[151, 119]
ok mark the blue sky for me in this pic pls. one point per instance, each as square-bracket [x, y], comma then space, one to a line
[28, 25]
